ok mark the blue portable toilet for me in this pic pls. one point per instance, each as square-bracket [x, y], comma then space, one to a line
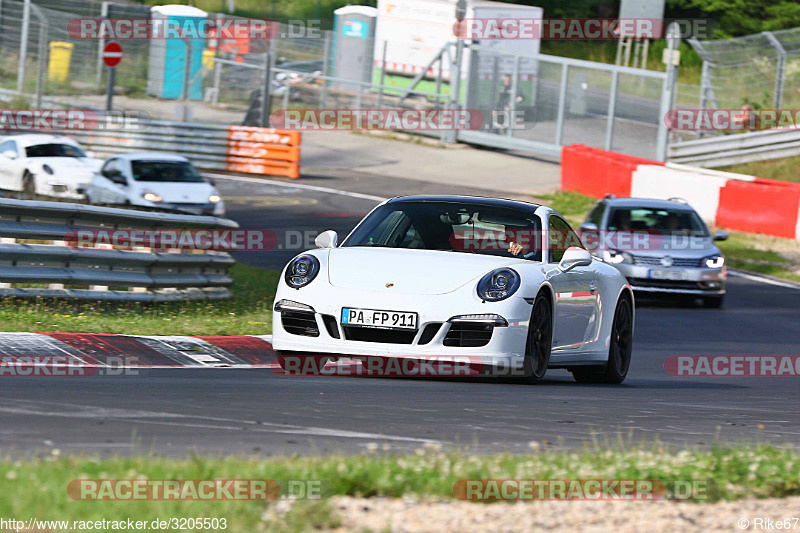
[168, 56]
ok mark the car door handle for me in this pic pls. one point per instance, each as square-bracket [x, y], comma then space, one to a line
[593, 287]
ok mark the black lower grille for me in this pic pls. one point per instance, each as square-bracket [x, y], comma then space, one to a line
[669, 284]
[330, 325]
[468, 334]
[429, 333]
[391, 336]
[300, 323]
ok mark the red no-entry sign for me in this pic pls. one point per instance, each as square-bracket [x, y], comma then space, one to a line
[112, 54]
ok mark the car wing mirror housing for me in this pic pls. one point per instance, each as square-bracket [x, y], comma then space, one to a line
[575, 257]
[327, 239]
[721, 236]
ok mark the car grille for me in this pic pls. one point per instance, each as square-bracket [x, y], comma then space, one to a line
[669, 284]
[648, 260]
[390, 336]
[468, 334]
[300, 323]
[429, 332]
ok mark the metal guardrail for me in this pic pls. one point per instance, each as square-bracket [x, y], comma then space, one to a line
[149, 276]
[209, 146]
[737, 148]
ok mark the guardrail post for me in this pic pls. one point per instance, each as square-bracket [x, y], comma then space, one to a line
[780, 69]
[562, 104]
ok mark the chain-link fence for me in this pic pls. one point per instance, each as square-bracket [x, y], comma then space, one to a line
[760, 70]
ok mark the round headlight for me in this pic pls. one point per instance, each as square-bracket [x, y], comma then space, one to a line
[498, 284]
[214, 198]
[151, 197]
[614, 257]
[302, 271]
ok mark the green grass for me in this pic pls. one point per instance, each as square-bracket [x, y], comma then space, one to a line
[39, 484]
[785, 169]
[249, 312]
[742, 251]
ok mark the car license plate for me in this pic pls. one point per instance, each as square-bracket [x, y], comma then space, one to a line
[375, 318]
[672, 275]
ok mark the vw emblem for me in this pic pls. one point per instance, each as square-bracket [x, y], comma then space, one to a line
[666, 261]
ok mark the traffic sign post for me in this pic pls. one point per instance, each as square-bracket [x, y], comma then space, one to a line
[112, 55]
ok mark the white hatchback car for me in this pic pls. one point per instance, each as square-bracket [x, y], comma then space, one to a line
[50, 165]
[153, 179]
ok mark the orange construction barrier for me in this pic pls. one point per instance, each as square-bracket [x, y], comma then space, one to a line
[265, 151]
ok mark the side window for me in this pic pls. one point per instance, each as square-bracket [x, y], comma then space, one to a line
[596, 214]
[110, 169]
[560, 237]
[9, 146]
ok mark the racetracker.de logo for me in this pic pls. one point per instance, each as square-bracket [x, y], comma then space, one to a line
[377, 119]
[727, 366]
[133, 29]
[69, 119]
[493, 490]
[744, 119]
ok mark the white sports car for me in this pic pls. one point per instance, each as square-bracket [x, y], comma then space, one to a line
[502, 282]
[50, 165]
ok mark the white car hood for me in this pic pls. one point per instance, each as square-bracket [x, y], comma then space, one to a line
[179, 193]
[65, 168]
[410, 271]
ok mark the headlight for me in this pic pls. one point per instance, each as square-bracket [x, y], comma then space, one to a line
[302, 271]
[214, 198]
[714, 261]
[47, 168]
[614, 257]
[151, 197]
[498, 284]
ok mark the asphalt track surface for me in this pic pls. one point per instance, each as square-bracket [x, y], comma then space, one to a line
[258, 411]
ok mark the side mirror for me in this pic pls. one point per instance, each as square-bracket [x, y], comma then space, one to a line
[721, 236]
[589, 226]
[212, 182]
[10, 154]
[575, 257]
[119, 179]
[327, 239]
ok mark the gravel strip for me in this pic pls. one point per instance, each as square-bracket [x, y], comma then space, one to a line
[412, 515]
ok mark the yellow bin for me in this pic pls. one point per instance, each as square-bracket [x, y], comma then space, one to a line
[60, 57]
[208, 58]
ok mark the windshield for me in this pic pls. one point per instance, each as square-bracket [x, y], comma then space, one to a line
[165, 171]
[451, 226]
[54, 150]
[665, 221]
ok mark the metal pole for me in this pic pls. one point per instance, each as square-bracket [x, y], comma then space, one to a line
[23, 45]
[266, 102]
[562, 104]
[101, 43]
[43, 33]
[326, 70]
[455, 78]
[612, 110]
[667, 95]
[781, 67]
[187, 70]
[383, 75]
[514, 86]
[110, 88]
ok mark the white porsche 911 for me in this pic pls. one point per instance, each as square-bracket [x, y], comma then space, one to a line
[50, 165]
[502, 282]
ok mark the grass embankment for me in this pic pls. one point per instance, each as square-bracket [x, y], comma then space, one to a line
[784, 169]
[39, 485]
[249, 312]
[745, 251]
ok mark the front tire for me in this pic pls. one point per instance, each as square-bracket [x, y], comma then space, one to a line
[619, 353]
[28, 186]
[540, 340]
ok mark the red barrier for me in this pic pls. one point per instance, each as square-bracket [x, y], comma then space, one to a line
[596, 172]
[759, 207]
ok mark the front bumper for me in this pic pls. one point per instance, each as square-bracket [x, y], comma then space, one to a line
[505, 347]
[209, 209]
[694, 281]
